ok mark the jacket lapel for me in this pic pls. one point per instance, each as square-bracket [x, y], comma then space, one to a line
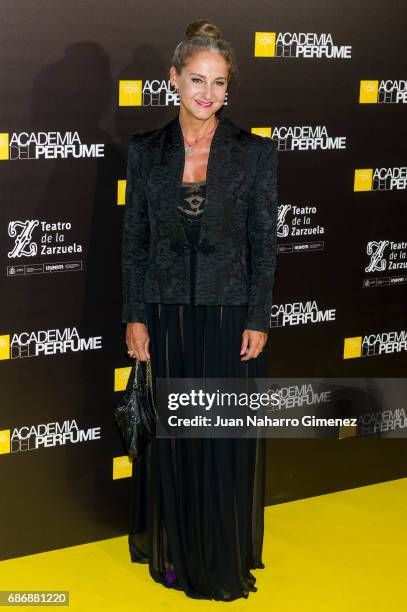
[172, 165]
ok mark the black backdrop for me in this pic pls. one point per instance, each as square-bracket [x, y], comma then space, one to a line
[71, 74]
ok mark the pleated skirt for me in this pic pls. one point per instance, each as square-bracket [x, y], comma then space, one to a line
[197, 504]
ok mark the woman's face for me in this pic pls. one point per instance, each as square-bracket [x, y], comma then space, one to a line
[202, 83]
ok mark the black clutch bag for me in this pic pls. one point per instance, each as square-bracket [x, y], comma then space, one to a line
[135, 413]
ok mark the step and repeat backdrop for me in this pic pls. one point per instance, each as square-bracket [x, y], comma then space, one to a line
[328, 82]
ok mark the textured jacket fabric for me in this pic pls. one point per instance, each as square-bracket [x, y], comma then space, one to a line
[236, 254]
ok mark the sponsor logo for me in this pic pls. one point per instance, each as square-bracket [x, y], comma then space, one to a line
[373, 344]
[386, 91]
[306, 45]
[300, 313]
[46, 342]
[47, 145]
[380, 179]
[38, 238]
[45, 435]
[302, 137]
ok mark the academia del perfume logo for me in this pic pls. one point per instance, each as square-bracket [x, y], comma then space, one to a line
[19, 146]
[305, 45]
[45, 435]
[300, 313]
[46, 342]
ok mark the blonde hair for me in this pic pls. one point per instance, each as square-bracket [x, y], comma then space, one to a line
[203, 35]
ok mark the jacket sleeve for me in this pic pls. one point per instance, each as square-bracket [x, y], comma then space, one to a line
[262, 234]
[135, 238]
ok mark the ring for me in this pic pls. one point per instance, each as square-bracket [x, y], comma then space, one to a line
[131, 353]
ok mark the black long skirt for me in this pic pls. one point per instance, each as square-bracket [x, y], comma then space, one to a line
[197, 504]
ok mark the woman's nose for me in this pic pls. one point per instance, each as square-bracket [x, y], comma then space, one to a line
[208, 93]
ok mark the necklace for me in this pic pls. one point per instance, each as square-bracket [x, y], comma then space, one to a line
[189, 147]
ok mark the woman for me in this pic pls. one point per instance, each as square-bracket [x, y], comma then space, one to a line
[199, 257]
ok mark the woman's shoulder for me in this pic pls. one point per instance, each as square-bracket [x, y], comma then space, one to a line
[139, 139]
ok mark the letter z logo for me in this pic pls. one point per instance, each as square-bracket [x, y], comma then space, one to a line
[375, 250]
[22, 232]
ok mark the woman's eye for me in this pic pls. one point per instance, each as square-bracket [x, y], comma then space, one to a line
[197, 80]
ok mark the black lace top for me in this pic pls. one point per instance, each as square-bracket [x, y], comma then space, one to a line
[192, 202]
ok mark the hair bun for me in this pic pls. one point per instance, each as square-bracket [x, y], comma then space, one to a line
[202, 27]
[199, 36]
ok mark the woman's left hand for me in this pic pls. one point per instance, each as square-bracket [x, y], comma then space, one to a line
[253, 342]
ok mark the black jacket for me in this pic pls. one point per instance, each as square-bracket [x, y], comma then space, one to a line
[236, 255]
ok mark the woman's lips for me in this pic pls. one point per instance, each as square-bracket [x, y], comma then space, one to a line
[204, 104]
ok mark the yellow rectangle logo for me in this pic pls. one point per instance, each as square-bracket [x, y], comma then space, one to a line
[4, 441]
[369, 92]
[5, 346]
[121, 192]
[4, 145]
[121, 376]
[122, 467]
[363, 179]
[130, 93]
[265, 44]
[352, 347]
[262, 131]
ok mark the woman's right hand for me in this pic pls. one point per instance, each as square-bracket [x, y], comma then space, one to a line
[138, 340]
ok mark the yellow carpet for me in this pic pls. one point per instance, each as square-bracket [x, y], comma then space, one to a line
[342, 551]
